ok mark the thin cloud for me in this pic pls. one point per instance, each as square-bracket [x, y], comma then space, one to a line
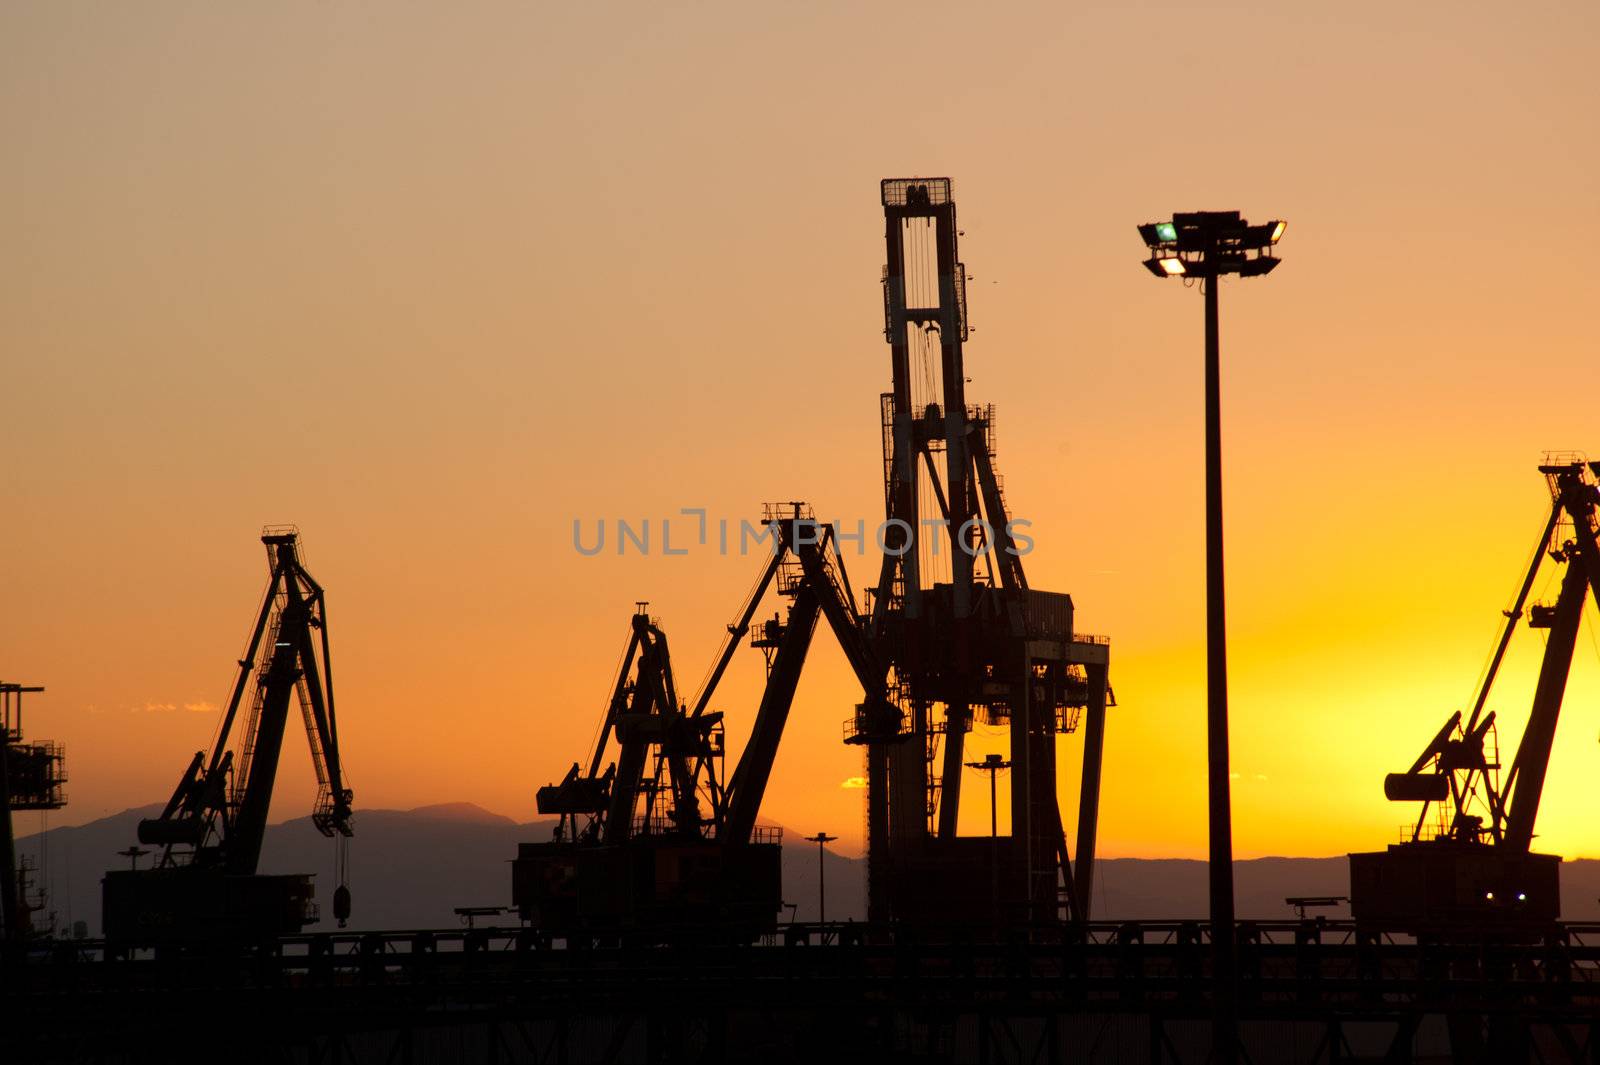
[193, 706]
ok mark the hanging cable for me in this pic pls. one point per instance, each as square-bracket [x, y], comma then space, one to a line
[341, 876]
[1488, 660]
[1588, 624]
[46, 884]
[216, 730]
[756, 588]
[594, 740]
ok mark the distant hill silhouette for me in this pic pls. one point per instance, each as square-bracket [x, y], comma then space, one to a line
[408, 868]
[412, 868]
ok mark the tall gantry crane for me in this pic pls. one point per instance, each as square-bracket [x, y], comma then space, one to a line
[207, 839]
[955, 623]
[1469, 859]
[32, 777]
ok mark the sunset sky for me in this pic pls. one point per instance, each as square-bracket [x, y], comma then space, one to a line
[432, 281]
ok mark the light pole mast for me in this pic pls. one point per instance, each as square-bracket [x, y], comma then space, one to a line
[821, 839]
[1220, 799]
[1207, 245]
[993, 764]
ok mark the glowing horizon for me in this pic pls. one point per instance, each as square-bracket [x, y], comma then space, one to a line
[433, 285]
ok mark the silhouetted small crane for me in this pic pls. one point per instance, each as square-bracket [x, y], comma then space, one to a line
[1476, 869]
[204, 881]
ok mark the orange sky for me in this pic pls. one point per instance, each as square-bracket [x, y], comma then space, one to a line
[432, 281]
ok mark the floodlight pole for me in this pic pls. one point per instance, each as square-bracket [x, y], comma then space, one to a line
[993, 764]
[1225, 1032]
[1206, 245]
[822, 839]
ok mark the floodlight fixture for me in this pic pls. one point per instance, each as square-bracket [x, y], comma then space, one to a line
[1158, 233]
[1209, 244]
[1263, 236]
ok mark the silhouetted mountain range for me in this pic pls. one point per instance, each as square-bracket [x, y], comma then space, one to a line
[412, 868]
[407, 868]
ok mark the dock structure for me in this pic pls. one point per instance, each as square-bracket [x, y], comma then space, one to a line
[1309, 992]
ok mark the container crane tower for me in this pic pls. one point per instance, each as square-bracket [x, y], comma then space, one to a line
[967, 637]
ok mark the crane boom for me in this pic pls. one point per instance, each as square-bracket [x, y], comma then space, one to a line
[1533, 753]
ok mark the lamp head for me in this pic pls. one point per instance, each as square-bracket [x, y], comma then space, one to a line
[1209, 244]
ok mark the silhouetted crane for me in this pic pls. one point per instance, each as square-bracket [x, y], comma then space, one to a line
[1475, 866]
[204, 881]
[655, 839]
[979, 644]
[31, 778]
[639, 840]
